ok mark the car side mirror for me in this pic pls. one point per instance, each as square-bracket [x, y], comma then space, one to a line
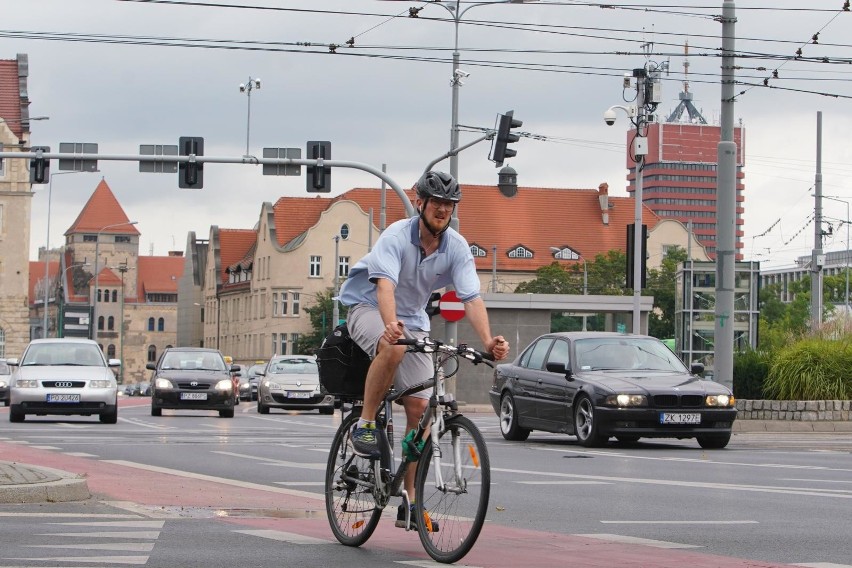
[261, 373]
[12, 362]
[696, 368]
[114, 362]
[561, 368]
[151, 366]
[235, 369]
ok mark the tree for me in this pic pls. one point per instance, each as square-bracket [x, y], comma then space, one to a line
[321, 314]
[662, 285]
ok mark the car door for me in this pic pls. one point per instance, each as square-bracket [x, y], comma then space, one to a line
[554, 389]
[531, 376]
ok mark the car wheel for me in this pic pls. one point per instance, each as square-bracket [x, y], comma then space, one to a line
[15, 415]
[110, 417]
[714, 441]
[227, 413]
[262, 408]
[156, 411]
[627, 439]
[509, 420]
[585, 426]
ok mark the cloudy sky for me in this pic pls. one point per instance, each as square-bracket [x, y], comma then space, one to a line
[123, 73]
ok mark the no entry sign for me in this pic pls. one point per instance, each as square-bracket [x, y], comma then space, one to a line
[451, 307]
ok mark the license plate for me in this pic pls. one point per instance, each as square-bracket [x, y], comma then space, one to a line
[63, 398]
[193, 396]
[679, 418]
[298, 395]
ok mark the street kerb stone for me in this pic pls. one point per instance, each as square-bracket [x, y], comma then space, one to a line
[23, 483]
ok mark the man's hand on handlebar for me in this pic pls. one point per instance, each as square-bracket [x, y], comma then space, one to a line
[393, 331]
[498, 347]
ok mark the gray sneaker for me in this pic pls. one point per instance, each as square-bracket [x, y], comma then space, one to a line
[365, 443]
[400, 520]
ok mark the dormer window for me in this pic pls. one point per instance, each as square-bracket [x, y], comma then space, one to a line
[477, 251]
[565, 253]
[520, 251]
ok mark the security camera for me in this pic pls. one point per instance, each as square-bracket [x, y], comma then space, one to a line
[242, 88]
[257, 83]
[460, 73]
[609, 117]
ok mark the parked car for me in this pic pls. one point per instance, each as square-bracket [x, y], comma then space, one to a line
[129, 388]
[254, 373]
[291, 382]
[192, 378]
[596, 385]
[63, 376]
[5, 377]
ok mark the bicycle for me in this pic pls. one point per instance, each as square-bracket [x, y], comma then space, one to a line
[451, 509]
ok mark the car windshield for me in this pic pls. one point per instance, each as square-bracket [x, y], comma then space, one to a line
[293, 367]
[75, 354]
[627, 353]
[193, 360]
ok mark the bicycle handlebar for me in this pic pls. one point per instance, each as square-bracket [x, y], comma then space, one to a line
[429, 345]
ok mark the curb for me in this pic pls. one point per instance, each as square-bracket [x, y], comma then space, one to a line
[21, 483]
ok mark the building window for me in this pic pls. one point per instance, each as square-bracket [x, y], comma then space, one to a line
[161, 324]
[111, 323]
[274, 343]
[100, 292]
[477, 251]
[150, 324]
[115, 295]
[90, 238]
[152, 353]
[2, 342]
[122, 239]
[111, 351]
[101, 323]
[283, 304]
[344, 231]
[520, 251]
[343, 266]
[274, 304]
[315, 266]
[283, 344]
[296, 303]
[294, 341]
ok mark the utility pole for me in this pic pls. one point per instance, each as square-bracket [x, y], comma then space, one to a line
[817, 256]
[726, 219]
[640, 149]
[335, 312]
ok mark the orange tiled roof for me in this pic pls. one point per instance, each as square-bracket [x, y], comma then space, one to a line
[107, 278]
[536, 218]
[10, 96]
[234, 244]
[159, 274]
[101, 210]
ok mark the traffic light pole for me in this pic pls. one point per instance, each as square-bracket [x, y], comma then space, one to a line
[250, 160]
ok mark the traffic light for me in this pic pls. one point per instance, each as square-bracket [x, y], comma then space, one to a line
[39, 167]
[505, 136]
[630, 248]
[319, 178]
[191, 174]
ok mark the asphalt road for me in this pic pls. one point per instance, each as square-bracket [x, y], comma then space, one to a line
[192, 489]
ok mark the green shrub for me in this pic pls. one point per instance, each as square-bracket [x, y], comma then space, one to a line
[751, 369]
[811, 369]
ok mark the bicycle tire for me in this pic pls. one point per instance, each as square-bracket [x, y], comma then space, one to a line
[350, 507]
[459, 509]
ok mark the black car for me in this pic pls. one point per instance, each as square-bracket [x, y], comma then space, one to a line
[192, 378]
[596, 385]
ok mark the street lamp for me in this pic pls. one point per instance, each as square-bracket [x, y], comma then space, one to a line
[47, 241]
[846, 303]
[97, 260]
[457, 12]
[247, 89]
[566, 253]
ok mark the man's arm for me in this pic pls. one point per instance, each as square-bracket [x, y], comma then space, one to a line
[478, 317]
[387, 309]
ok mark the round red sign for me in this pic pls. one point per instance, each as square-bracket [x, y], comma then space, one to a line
[451, 307]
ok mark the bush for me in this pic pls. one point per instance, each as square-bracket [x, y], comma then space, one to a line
[811, 369]
[750, 372]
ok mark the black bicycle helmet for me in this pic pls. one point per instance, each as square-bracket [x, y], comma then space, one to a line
[440, 185]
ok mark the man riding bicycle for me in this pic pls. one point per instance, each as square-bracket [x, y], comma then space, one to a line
[388, 291]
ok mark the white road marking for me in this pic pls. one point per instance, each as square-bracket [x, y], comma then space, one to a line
[136, 560]
[126, 524]
[45, 447]
[145, 424]
[424, 563]
[123, 546]
[305, 483]
[564, 482]
[69, 515]
[635, 540]
[80, 454]
[824, 565]
[282, 463]
[153, 535]
[223, 480]
[680, 522]
[292, 538]
[817, 480]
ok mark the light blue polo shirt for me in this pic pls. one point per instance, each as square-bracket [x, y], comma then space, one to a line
[397, 256]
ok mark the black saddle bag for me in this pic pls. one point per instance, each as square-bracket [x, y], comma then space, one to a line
[342, 365]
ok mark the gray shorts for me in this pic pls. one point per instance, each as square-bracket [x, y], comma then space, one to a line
[366, 328]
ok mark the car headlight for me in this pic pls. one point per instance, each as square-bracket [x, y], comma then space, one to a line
[100, 384]
[625, 400]
[26, 383]
[163, 384]
[3, 384]
[723, 400]
[224, 385]
[272, 386]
